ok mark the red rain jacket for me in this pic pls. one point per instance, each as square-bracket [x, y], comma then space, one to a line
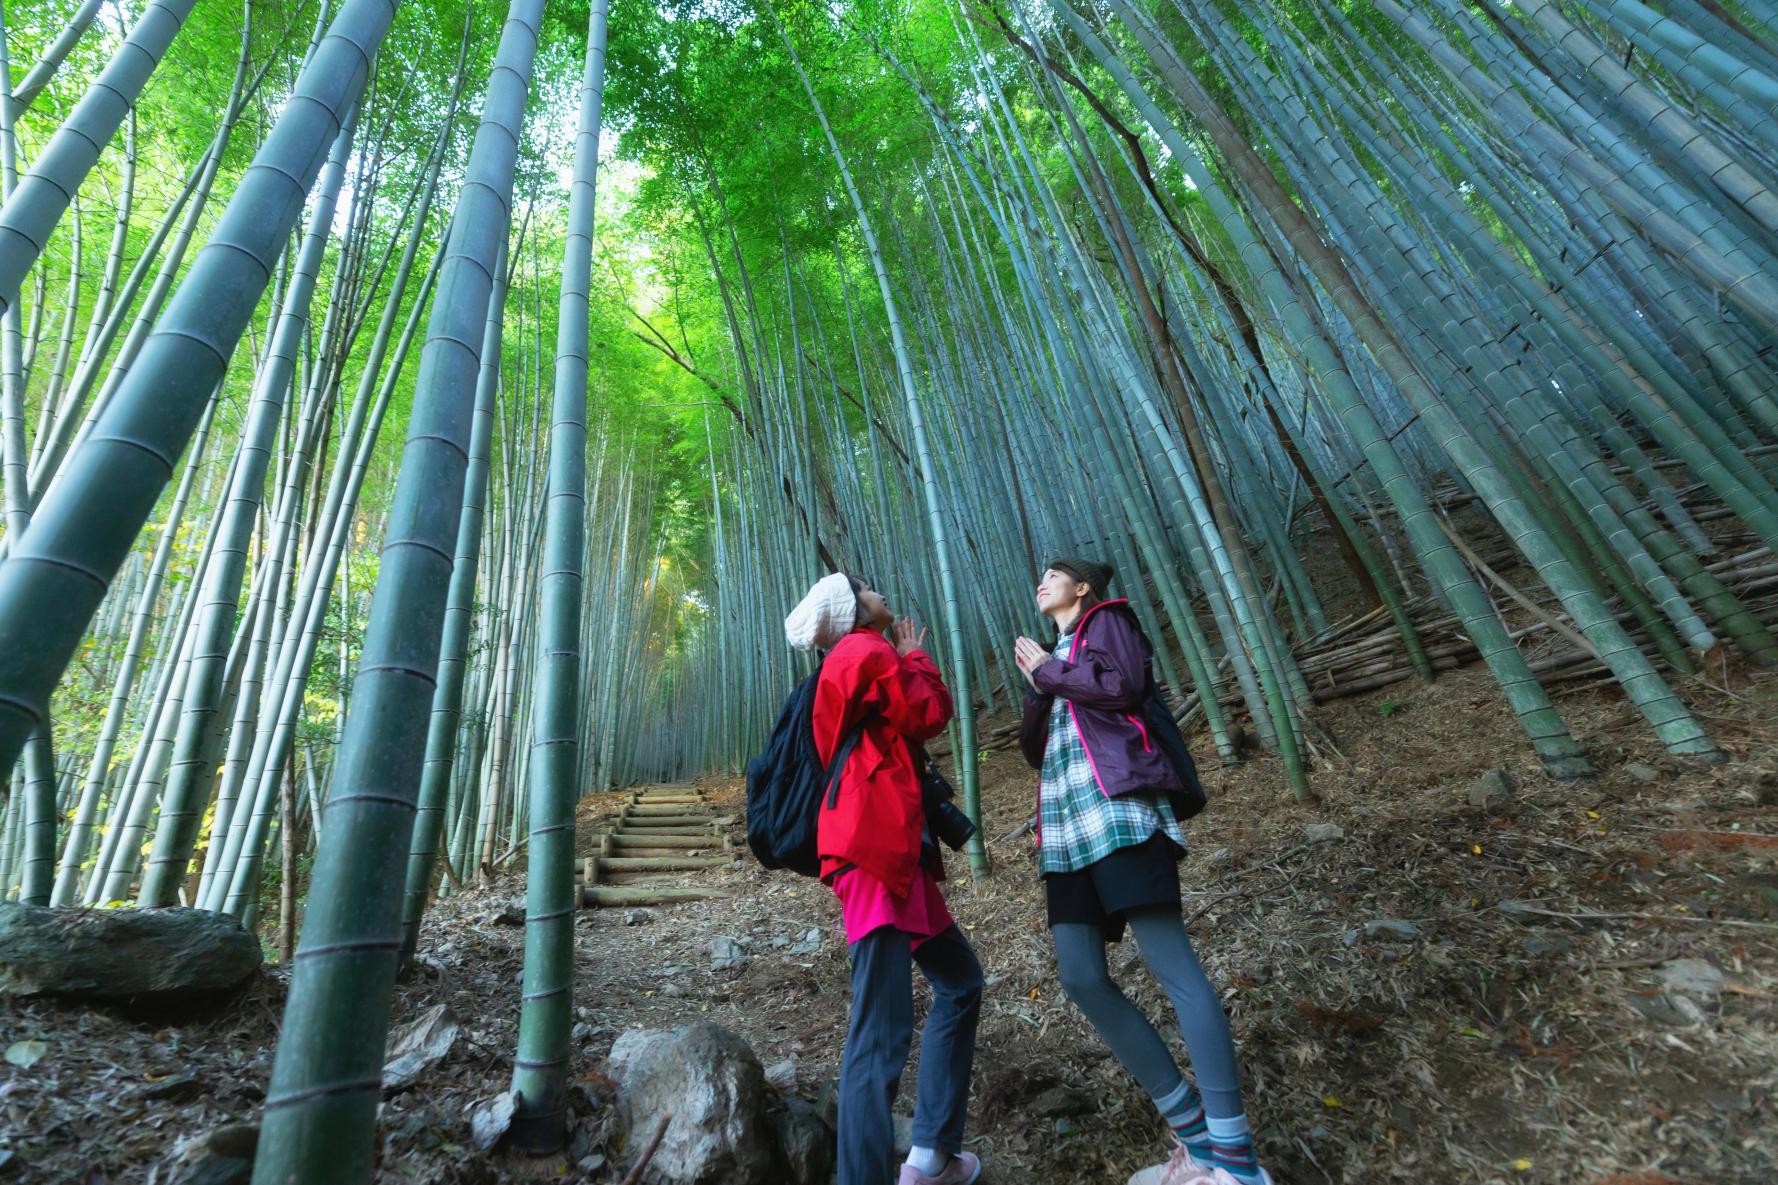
[877, 820]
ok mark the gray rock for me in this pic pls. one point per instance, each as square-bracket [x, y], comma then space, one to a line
[1692, 977]
[726, 954]
[806, 1142]
[674, 989]
[1543, 946]
[638, 917]
[145, 955]
[810, 943]
[711, 1083]
[581, 1033]
[511, 914]
[1391, 930]
[1323, 832]
[1492, 792]
[1059, 1101]
[220, 1157]
[783, 1075]
[1642, 773]
[904, 1135]
[1675, 1012]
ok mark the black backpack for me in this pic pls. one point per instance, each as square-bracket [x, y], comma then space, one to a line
[785, 785]
[1190, 798]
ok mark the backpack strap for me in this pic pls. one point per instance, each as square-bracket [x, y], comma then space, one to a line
[831, 775]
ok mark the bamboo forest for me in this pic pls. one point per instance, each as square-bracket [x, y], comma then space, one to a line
[434, 435]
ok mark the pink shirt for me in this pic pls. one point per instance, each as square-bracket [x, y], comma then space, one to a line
[867, 904]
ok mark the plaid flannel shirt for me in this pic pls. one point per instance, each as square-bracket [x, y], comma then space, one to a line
[1079, 824]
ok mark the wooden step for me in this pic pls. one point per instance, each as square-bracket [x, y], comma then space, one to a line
[659, 863]
[703, 836]
[613, 896]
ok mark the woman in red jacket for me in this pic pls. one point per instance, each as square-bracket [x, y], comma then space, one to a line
[881, 862]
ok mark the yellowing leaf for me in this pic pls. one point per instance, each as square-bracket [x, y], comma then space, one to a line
[1331, 1100]
[1476, 848]
[1520, 1165]
[1590, 815]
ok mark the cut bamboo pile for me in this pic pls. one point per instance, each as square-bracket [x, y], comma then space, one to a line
[1366, 653]
[661, 834]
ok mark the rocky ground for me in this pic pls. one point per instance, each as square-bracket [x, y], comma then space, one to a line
[1432, 977]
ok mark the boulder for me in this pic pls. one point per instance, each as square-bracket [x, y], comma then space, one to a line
[1323, 832]
[710, 1082]
[164, 956]
[806, 1142]
[1492, 793]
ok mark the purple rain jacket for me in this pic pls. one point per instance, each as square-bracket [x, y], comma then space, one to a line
[1107, 680]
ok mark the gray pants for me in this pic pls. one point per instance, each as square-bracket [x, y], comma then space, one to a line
[881, 1034]
[1167, 949]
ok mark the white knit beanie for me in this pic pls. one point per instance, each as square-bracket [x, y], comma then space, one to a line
[824, 616]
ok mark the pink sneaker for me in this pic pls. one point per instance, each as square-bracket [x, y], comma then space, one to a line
[1179, 1169]
[964, 1169]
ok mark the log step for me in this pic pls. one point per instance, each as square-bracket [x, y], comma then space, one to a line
[610, 896]
[649, 838]
[665, 808]
[659, 863]
[709, 834]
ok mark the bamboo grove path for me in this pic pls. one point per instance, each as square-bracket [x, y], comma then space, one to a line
[655, 849]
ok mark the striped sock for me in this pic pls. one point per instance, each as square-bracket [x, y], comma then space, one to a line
[1183, 1109]
[1232, 1148]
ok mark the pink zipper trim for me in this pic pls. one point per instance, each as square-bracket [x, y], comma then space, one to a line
[1141, 729]
[1080, 628]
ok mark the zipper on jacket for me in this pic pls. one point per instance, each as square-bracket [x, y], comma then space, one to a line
[1141, 728]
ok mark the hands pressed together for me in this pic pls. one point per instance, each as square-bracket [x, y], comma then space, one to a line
[1029, 655]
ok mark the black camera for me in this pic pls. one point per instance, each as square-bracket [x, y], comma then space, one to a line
[948, 825]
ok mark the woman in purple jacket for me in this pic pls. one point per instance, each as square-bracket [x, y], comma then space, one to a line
[1109, 847]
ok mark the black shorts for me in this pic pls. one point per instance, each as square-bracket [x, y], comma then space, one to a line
[1100, 894]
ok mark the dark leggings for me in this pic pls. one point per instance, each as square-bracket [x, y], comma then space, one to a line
[1167, 949]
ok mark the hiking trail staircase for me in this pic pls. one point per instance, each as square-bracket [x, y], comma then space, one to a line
[648, 852]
